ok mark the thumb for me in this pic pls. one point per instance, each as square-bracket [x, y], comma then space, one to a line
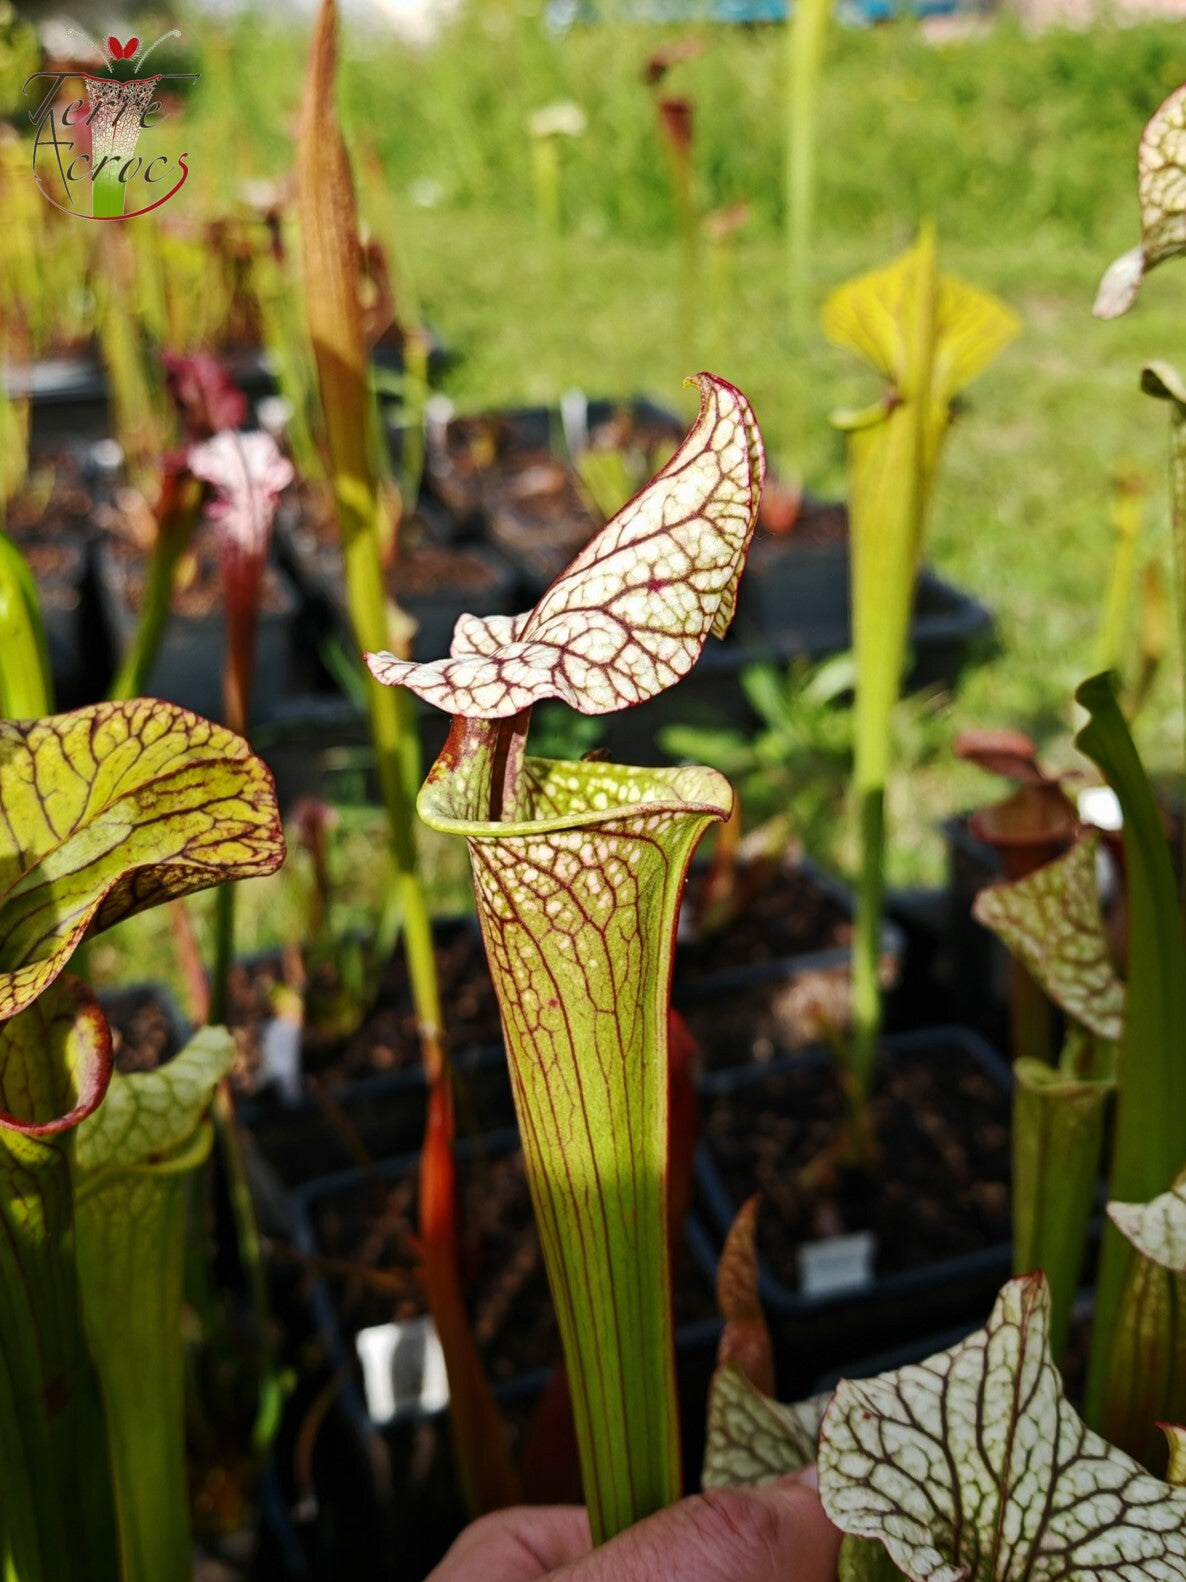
[777, 1533]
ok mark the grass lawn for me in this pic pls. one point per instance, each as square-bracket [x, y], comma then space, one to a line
[1022, 151]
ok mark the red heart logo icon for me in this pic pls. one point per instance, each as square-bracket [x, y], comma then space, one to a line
[122, 51]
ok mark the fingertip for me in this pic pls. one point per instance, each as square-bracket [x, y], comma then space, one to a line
[520, 1544]
[808, 1534]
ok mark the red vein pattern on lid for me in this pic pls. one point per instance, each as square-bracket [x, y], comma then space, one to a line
[630, 615]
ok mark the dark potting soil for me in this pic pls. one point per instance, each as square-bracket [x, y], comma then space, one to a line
[539, 516]
[785, 914]
[144, 1034]
[942, 1133]
[818, 522]
[51, 522]
[57, 564]
[369, 1225]
[54, 500]
[537, 510]
[480, 447]
[387, 1039]
[754, 1023]
[422, 567]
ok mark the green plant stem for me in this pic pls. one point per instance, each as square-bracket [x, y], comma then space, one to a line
[1163, 382]
[1031, 1021]
[890, 462]
[1058, 1129]
[398, 761]
[181, 501]
[131, 1259]
[866, 944]
[1150, 1134]
[14, 440]
[26, 692]
[1126, 524]
[136, 396]
[286, 341]
[807, 34]
[57, 1515]
[1178, 518]
[417, 348]
[240, 1195]
[224, 953]
[250, 1256]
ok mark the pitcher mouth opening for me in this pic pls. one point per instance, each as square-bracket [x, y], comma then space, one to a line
[595, 793]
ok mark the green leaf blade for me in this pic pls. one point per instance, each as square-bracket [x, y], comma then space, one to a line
[1150, 1139]
[57, 1517]
[25, 687]
[1176, 1449]
[1151, 1135]
[1051, 921]
[152, 1114]
[1058, 1134]
[131, 1161]
[113, 809]
[1147, 1361]
[880, 317]
[55, 1061]
[577, 896]
[927, 337]
[333, 283]
[131, 1239]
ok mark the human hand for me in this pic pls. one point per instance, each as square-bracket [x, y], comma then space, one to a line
[777, 1533]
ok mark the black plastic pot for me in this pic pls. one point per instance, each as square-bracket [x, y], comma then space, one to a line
[146, 1013]
[68, 395]
[383, 1115]
[320, 745]
[925, 994]
[67, 400]
[794, 600]
[895, 1357]
[743, 1014]
[494, 471]
[317, 570]
[694, 982]
[188, 668]
[327, 1104]
[417, 1436]
[252, 370]
[817, 1332]
[414, 1446]
[976, 961]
